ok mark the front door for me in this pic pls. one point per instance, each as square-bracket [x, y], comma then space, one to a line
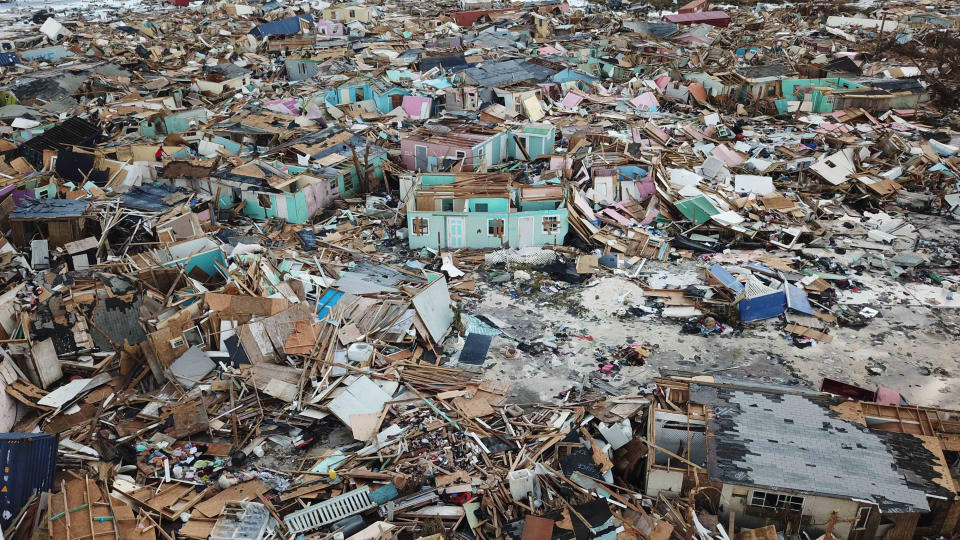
[456, 232]
[421, 155]
[525, 232]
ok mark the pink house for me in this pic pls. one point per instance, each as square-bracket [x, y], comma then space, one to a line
[329, 28]
[473, 146]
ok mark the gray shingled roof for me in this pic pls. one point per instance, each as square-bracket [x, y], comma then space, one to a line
[508, 72]
[795, 443]
[50, 208]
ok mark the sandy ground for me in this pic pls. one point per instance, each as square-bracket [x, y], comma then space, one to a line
[912, 349]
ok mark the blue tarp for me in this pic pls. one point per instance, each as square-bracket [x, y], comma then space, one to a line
[284, 27]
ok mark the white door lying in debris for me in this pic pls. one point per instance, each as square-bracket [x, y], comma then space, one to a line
[456, 232]
[525, 232]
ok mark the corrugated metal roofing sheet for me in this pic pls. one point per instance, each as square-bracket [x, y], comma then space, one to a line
[28, 461]
[72, 131]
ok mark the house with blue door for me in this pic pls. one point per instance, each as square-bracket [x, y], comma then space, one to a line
[481, 210]
[473, 147]
[387, 96]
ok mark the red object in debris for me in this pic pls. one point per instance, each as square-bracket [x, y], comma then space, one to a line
[181, 3]
[468, 18]
[881, 395]
[461, 498]
[713, 18]
[693, 7]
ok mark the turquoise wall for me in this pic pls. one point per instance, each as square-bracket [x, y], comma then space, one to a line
[493, 205]
[787, 87]
[477, 225]
[296, 207]
[205, 261]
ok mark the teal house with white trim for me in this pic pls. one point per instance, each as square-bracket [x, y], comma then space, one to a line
[481, 210]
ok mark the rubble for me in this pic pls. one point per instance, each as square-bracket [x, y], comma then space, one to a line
[555, 269]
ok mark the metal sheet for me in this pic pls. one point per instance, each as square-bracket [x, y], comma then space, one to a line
[433, 307]
[28, 461]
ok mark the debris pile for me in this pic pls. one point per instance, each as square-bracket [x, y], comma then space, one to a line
[552, 269]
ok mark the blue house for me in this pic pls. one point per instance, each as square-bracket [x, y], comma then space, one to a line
[480, 210]
[387, 96]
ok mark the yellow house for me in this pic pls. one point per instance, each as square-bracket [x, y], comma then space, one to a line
[349, 13]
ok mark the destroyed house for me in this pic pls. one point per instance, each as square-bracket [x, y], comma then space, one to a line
[762, 81]
[498, 74]
[805, 460]
[61, 221]
[299, 69]
[469, 147]
[350, 13]
[272, 190]
[72, 131]
[835, 94]
[223, 78]
[284, 27]
[477, 210]
[386, 96]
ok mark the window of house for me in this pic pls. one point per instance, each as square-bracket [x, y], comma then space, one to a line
[421, 226]
[446, 205]
[481, 154]
[551, 224]
[264, 200]
[349, 183]
[353, 13]
[481, 207]
[863, 515]
[461, 155]
[495, 227]
[776, 501]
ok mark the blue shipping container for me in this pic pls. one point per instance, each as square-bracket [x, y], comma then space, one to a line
[28, 462]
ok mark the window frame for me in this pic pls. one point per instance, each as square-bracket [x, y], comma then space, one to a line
[782, 501]
[859, 525]
[420, 226]
[492, 225]
[552, 219]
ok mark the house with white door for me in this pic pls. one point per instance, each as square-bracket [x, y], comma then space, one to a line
[481, 210]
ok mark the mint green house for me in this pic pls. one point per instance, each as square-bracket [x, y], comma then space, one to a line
[480, 210]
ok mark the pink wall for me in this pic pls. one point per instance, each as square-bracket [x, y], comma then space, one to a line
[412, 105]
[318, 196]
[434, 149]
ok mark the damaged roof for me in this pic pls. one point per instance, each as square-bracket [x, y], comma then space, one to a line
[50, 208]
[785, 441]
